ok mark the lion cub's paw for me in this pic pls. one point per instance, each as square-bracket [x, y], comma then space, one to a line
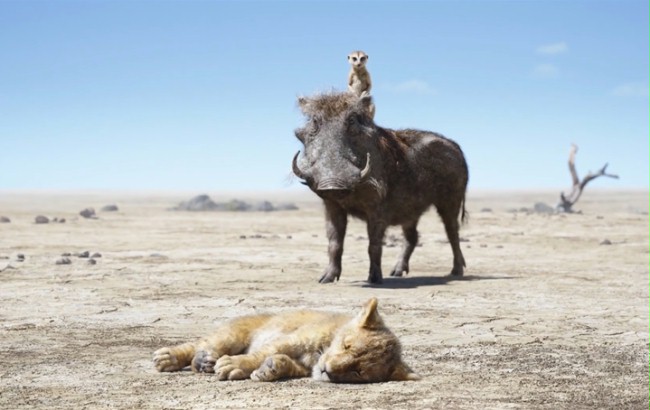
[267, 372]
[203, 362]
[165, 361]
[227, 368]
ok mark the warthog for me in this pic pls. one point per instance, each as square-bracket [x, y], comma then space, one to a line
[382, 176]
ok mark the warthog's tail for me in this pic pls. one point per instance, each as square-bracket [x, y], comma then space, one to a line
[464, 215]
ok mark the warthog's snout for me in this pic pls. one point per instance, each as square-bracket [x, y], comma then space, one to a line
[333, 194]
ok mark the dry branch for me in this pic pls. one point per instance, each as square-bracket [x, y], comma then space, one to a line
[567, 201]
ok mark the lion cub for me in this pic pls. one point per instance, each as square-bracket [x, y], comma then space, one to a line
[328, 346]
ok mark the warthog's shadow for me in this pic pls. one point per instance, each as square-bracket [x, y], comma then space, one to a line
[408, 282]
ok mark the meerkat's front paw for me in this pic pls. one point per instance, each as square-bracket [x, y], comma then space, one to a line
[165, 361]
[228, 368]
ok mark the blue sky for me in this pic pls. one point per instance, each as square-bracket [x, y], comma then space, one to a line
[170, 95]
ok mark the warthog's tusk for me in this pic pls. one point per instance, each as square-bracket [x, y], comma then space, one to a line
[365, 172]
[296, 169]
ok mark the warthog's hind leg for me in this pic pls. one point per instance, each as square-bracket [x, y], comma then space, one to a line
[410, 242]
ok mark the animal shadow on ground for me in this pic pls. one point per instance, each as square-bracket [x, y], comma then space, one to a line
[410, 282]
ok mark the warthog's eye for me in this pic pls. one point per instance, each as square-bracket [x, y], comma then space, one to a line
[314, 126]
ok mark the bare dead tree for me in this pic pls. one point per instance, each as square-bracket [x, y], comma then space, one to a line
[567, 201]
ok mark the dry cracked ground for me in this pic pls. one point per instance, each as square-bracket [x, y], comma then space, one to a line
[552, 314]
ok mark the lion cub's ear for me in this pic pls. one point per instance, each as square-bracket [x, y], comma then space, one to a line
[369, 317]
[403, 373]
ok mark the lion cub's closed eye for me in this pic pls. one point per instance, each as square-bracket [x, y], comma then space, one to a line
[328, 346]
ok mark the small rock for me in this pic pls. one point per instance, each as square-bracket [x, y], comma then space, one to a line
[63, 261]
[4, 220]
[483, 245]
[40, 219]
[92, 262]
[84, 254]
[20, 257]
[242, 236]
[289, 237]
[606, 242]
[542, 208]
[109, 208]
[96, 255]
[66, 254]
[486, 210]
[55, 219]
[62, 220]
[88, 213]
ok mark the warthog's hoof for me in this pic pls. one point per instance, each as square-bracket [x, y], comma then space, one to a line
[458, 272]
[375, 278]
[328, 278]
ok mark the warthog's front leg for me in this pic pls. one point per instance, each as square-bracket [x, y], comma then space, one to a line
[376, 231]
[336, 224]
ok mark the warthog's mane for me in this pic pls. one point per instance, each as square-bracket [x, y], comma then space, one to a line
[328, 104]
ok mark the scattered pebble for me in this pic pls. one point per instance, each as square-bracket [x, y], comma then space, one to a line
[88, 213]
[486, 210]
[242, 236]
[109, 208]
[92, 262]
[483, 245]
[606, 242]
[4, 220]
[20, 257]
[84, 254]
[543, 208]
[66, 254]
[41, 219]
[289, 237]
[63, 261]
[96, 255]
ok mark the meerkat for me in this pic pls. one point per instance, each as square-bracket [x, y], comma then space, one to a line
[359, 81]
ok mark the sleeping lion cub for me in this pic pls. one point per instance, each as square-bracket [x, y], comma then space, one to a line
[328, 346]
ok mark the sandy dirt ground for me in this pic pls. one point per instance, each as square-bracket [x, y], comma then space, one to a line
[546, 317]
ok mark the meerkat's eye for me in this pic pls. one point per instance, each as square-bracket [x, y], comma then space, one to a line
[354, 59]
[363, 58]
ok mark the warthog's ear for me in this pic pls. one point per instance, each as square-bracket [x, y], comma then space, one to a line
[304, 104]
[403, 373]
[369, 317]
[365, 101]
